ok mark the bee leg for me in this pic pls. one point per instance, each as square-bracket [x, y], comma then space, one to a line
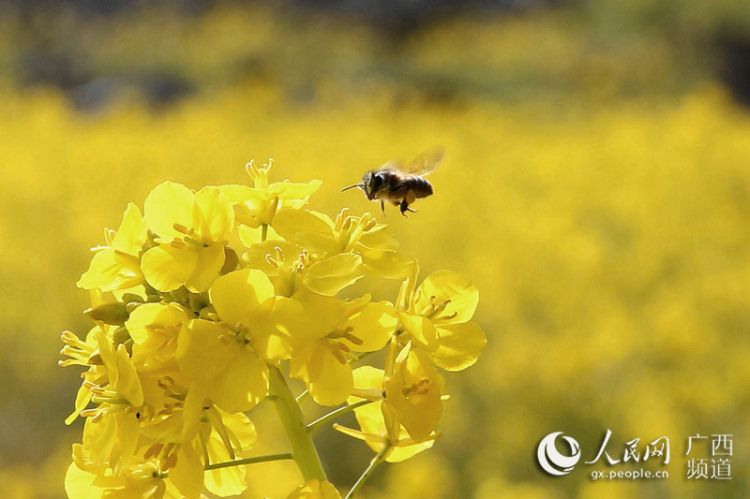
[405, 207]
[410, 197]
[382, 207]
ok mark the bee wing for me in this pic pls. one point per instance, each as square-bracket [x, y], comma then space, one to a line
[426, 162]
[392, 165]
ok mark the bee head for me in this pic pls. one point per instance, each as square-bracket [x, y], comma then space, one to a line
[372, 182]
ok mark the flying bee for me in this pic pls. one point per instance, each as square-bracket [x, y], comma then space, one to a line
[400, 185]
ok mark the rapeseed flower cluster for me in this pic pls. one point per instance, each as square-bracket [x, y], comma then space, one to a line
[208, 301]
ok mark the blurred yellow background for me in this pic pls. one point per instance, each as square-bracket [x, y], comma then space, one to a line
[596, 189]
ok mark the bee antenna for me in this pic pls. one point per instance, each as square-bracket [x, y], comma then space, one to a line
[361, 186]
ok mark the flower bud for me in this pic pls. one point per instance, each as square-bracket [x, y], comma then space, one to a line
[114, 313]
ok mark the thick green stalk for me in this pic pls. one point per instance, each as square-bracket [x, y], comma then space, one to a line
[303, 448]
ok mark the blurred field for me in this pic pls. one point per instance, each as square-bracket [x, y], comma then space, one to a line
[606, 229]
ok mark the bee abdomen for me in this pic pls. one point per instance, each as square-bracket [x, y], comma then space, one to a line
[421, 187]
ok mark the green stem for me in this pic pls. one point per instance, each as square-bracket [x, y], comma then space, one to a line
[263, 232]
[302, 396]
[379, 458]
[303, 449]
[333, 415]
[250, 460]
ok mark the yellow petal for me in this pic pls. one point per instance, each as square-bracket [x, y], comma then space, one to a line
[331, 275]
[201, 353]
[421, 329]
[404, 452]
[216, 215]
[127, 383]
[127, 433]
[83, 397]
[387, 264]
[229, 481]
[294, 191]
[242, 384]
[151, 317]
[368, 378]
[256, 209]
[132, 232]
[258, 255]
[192, 410]
[236, 193]
[459, 346]
[320, 315]
[110, 271]
[167, 268]
[380, 238]
[241, 428]
[374, 326]
[79, 483]
[187, 475]
[242, 295]
[370, 420]
[270, 333]
[226, 482]
[414, 393]
[288, 223]
[210, 262]
[333, 382]
[168, 204]
[446, 286]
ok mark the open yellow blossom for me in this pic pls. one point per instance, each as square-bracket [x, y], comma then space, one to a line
[256, 207]
[232, 435]
[144, 477]
[226, 361]
[139, 482]
[399, 446]
[154, 328]
[413, 395]
[292, 269]
[328, 331]
[221, 365]
[111, 430]
[192, 230]
[360, 235]
[437, 317]
[116, 265]
[219, 436]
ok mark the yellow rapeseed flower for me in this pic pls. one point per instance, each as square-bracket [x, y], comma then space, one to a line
[437, 317]
[256, 207]
[328, 330]
[360, 235]
[116, 265]
[226, 360]
[291, 268]
[191, 230]
[154, 328]
[399, 445]
[413, 394]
